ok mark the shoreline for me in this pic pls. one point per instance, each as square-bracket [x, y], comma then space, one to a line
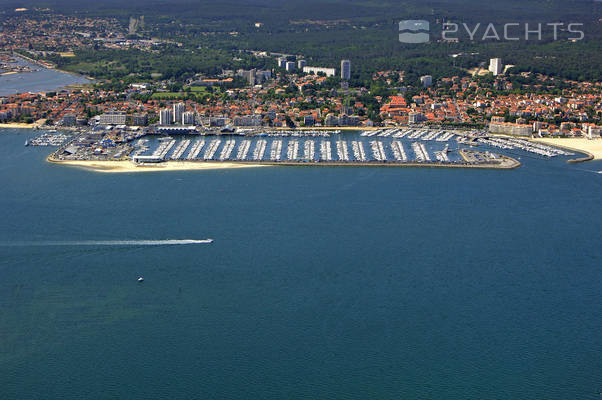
[125, 166]
[121, 166]
[592, 148]
[22, 125]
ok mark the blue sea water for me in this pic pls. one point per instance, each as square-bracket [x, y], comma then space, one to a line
[351, 283]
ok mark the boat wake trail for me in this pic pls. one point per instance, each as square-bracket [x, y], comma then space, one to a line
[590, 170]
[165, 242]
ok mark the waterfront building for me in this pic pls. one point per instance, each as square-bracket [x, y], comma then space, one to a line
[495, 66]
[5, 115]
[69, 120]
[248, 120]
[510, 129]
[140, 119]
[426, 80]
[217, 121]
[308, 120]
[188, 118]
[331, 120]
[178, 110]
[592, 131]
[113, 118]
[416, 117]
[165, 117]
[316, 70]
[566, 126]
[349, 120]
[345, 69]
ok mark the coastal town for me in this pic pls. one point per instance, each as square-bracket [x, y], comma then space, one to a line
[283, 92]
[296, 99]
[297, 199]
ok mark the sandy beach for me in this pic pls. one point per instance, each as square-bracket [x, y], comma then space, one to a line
[594, 147]
[21, 125]
[128, 166]
[17, 125]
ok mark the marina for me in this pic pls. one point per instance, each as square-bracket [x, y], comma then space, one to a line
[243, 150]
[398, 151]
[259, 150]
[378, 147]
[342, 150]
[325, 151]
[510, 143]
[276, 150]
[358, 150]
[196, 149]
[48, 139]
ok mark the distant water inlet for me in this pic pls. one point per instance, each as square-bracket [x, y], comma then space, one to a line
[40, 80]
[165, 242]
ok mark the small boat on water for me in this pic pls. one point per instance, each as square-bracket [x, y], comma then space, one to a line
[26, 142]
[140, 279]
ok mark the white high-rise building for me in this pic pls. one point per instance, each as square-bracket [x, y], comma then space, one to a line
[178, 110]
[290, 66]
[252, 76]
[301, 64]
[282, 62]
[188, 118]
[165, 117]
[345, 69]
[496, 66]
[316, 70]
[113, 118]
[426, 80]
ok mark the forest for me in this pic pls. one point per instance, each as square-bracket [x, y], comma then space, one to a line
[324, 32]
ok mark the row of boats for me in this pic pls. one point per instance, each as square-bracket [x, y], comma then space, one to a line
[276, 150]
[163, 149]
[47, 139]
[442, 156]
[295, 133]
[420, 150]
[415, 134]
[398, 151]
[325, 150]
[180, 149]
[295, 150]
[211, 149]
[342, 150]
[378, 150]
[227, 150]
[510, 143]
